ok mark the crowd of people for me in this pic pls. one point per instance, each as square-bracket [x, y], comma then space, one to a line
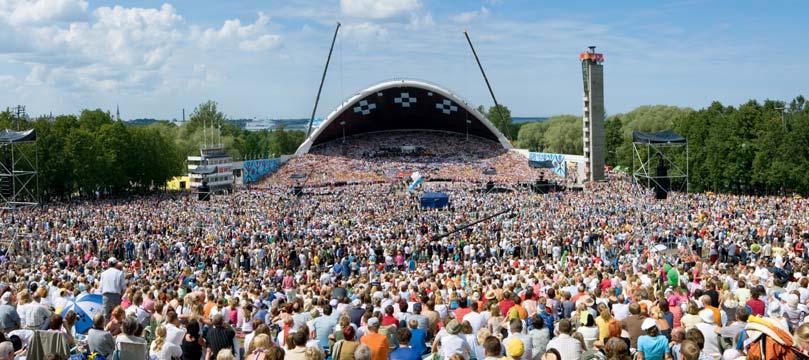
[361, 272]
[383, 157]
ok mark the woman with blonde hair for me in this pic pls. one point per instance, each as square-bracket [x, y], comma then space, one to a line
[258, 347]
[495, 322]
[691, 318]
[603, 321]
[162, 350]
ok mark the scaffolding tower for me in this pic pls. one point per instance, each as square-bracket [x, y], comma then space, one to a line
[19, 180]
[660, 161]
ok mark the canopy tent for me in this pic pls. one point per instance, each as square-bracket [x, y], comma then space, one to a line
[12, 137]
[434, 200]
[663, 137]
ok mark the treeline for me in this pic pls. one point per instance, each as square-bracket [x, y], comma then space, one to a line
[92, 152]
[752, 148]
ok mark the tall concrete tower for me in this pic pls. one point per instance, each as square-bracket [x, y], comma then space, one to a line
[593, 120]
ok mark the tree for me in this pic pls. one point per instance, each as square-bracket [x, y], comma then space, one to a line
[532, 136]
[500, 116]
[613, 139]
[206, 115]
[564, 135]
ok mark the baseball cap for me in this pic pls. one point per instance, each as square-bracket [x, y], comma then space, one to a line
[373, 321]
[515, 348]
[647, 324]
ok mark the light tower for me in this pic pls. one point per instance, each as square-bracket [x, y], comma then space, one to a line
[593, 120]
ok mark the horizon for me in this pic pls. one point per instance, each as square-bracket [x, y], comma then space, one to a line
[264, 60]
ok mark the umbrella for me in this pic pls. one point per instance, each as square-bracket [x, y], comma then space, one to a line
[85, 306]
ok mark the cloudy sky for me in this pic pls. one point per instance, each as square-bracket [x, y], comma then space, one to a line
[264, 58]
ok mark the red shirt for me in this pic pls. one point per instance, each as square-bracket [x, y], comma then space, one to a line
[389, 320]
[756, 307]
[461, 312]
[505, 305]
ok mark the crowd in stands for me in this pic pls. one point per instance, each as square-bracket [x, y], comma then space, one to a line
[354, 273]
[382, 157]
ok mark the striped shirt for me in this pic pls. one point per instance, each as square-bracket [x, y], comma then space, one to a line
[219, 338]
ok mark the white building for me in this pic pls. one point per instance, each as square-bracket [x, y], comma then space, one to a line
[213, 167]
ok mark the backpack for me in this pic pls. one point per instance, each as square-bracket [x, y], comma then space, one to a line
[769, 342]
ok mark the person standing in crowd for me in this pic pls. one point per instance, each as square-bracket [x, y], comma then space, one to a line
[113, 285]
[219, 336]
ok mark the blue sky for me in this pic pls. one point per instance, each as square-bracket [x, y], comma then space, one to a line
[264, 58]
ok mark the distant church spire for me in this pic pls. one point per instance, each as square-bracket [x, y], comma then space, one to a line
[117, 113]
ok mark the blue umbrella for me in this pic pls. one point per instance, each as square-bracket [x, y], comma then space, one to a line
[85, 306]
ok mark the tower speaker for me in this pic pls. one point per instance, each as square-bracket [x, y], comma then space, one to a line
[662, 185]
[489, 185]
[297, 190]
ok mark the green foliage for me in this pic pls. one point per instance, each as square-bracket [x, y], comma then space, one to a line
[93, 152]
[532, 136]
[559, 134]
[613, 139]
[563, 135]
[500, 116]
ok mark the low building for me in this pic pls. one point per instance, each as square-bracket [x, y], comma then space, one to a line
[213, 167]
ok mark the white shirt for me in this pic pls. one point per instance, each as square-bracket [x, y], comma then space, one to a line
[454, 344]
[168, 351]
[475, 319]
[621, 311]
[568, 347]
[174, 334]
[112, 281]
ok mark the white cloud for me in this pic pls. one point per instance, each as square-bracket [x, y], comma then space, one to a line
[248, 37]
[468, 16]
[114, 48]
[378, 9]
[364, 33]
[42, 11]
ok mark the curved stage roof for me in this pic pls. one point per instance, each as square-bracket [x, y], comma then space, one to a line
[403, 105]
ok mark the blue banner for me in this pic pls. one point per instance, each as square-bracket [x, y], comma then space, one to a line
[557, 161]
[254, 170]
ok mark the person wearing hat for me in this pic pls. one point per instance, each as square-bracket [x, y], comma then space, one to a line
[709, 331]
[652, 345]
[449, 342]
[377, 342]
[516, 334]
[515, 349]
[113, 284]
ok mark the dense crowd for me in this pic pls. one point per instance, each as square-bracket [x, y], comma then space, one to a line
[384, 157]
[361, 272]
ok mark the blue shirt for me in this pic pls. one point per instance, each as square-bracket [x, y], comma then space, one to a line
[418, 340]
[653, 348]
[407, 353]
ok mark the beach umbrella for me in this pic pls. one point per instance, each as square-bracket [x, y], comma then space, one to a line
[85, 306]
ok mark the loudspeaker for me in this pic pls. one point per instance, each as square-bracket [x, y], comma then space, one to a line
[297, 190]
[662, 184]
[489, 185]
[204, 192]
